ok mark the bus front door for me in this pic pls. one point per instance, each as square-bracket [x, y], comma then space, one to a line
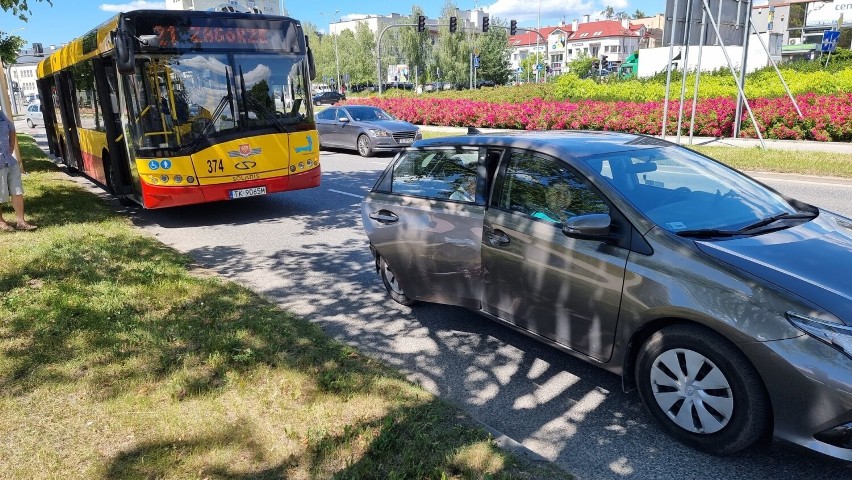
[117, 162]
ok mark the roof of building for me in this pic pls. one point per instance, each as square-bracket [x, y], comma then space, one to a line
[601, 29]
[530, 38]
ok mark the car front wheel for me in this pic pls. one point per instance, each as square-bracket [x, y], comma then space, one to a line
[30, 123]
[702, 389]
[365, 147]
[392, 285]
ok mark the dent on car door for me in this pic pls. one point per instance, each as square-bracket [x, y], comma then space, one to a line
[425, 218]
[564, 288]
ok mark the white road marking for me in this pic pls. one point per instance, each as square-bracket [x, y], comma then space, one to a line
[346, 193]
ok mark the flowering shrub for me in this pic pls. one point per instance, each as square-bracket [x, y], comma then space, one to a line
[826, 117]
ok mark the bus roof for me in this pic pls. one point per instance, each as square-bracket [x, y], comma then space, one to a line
[98, 41]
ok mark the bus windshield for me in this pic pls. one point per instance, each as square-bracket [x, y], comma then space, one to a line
[177, 101]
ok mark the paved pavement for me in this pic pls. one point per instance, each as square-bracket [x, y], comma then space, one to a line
[797, 145]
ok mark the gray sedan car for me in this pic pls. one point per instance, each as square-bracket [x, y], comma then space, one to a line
[365, 129]
[725, 304]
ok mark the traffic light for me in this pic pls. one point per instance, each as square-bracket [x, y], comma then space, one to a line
[421, 23]
[513, 27]
[485, 24]
[453, 24]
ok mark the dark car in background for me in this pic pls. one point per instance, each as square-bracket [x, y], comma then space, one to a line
[328, 98]
[365, 129]
[727, 305]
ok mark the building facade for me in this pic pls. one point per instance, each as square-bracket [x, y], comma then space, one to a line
[269, 7]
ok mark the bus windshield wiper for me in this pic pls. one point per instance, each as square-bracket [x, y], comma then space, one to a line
[220, 108]
[774, 218]
[261, 108]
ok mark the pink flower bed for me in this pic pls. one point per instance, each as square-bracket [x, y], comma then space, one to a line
[826, 117]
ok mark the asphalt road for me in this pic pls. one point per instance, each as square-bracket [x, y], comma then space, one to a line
[306, 252]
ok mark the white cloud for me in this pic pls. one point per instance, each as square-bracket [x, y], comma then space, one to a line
[134, 5]
[526, 11]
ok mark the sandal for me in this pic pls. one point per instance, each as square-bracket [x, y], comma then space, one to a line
[5, 227]
[25, 226]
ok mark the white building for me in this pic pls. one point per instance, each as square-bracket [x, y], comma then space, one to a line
[468, 20]
[615, 39]
[269, 7]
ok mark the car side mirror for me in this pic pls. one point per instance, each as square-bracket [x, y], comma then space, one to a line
[343, 119]
[595, 225]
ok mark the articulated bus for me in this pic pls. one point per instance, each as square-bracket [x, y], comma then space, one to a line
[166, 108]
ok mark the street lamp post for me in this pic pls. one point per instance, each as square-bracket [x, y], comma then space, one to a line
[336, 54]
[10, 92]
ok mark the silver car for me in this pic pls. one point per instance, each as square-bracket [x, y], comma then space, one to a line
[34, 115]
[725, 304]
[365, 129]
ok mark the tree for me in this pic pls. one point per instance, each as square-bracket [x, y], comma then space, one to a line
[364, 56]
[20, 8]
[608, 12]
[529, 64]
[622, 16]
[453, 51]
[581, 65]
[639, 14]
[9, 47]
[416, 46]
[494, 54]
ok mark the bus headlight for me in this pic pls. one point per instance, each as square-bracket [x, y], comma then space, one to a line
[164, 178]
[190, 179]
[178, 178]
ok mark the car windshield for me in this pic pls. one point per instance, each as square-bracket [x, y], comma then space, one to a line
[365, 114]
[682, 191]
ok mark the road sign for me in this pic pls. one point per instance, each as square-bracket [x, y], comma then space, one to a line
[829, 40]
[476, 61]
[520, 69]
[539, 67]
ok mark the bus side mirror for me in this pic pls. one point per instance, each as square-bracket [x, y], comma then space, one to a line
[124, 57]
[312, 68]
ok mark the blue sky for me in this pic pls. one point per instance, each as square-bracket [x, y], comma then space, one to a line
[68, 19]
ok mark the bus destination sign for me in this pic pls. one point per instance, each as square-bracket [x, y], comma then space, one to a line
[171, 36]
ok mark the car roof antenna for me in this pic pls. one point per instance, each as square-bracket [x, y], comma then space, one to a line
[473, 131]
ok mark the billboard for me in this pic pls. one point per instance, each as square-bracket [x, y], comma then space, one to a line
[826, 14]
[730, 15]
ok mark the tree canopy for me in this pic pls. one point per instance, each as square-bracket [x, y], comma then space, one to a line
[20, 8]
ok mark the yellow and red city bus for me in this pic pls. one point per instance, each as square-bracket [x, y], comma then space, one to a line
[167, 108]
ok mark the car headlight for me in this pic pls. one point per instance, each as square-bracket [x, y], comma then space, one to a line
[379, 133]
[418, 135]
[834, 334]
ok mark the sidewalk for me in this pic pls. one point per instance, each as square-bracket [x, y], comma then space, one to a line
[795, 145]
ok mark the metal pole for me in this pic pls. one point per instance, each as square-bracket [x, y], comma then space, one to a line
[775, 66]
[731, 67]
[337, 56]
[685, 69]
[739, 112]
[669, 70]
[697, 73]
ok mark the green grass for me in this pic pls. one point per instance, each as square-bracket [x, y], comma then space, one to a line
[754, 159]
[121, 359]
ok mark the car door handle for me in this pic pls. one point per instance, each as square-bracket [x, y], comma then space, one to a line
[384, 216]
[498, 238]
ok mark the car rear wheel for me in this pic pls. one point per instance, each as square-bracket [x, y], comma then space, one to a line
[365, 148]
[30, 123]
[702, 389]
[392, 285]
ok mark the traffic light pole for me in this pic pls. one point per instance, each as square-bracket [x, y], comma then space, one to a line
[379, 51]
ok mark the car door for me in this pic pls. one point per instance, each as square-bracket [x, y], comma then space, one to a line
[424, 218]
[326, 120]
[345, 134]
[562, 288]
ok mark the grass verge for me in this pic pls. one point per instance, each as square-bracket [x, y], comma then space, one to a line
[118, 359]
[755, 159]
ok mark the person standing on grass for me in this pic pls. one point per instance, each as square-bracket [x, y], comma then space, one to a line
[10, 177]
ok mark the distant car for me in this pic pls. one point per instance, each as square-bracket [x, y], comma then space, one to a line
[365, 129]
[329, 98]
[34, 116]
[726, 304]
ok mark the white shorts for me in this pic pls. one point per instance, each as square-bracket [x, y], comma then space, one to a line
[10, 182]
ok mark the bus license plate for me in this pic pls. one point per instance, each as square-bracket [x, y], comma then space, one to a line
[406, 141]
[247, 192]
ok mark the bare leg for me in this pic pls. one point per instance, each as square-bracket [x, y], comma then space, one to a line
[18, 205]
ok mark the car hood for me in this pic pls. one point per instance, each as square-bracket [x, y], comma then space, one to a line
[389, 125]
[813, 260]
